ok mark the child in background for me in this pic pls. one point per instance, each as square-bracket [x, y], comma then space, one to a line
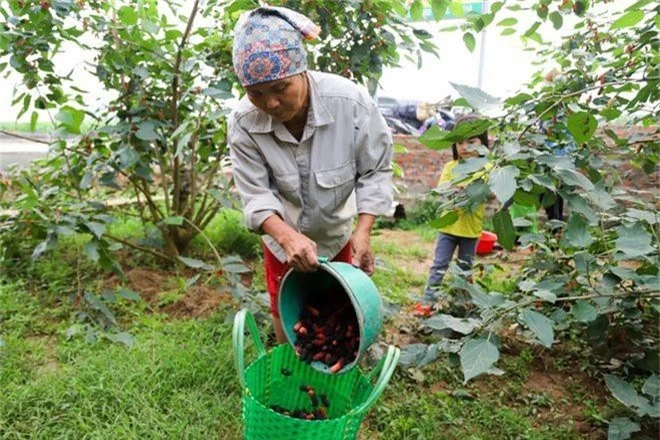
[465, 232]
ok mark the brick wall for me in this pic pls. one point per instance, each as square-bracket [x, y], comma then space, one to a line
[422, 167]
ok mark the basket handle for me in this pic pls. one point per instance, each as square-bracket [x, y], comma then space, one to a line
[386, 367]
[238, 340]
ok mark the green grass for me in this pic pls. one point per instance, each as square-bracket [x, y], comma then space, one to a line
[409, 412]
[381, 248]
[177, 381]
[24, 127]
[228, 233]
[42, 126]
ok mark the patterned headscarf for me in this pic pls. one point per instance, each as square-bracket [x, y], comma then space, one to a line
[268, 44]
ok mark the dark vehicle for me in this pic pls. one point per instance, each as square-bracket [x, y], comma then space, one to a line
[415, 117]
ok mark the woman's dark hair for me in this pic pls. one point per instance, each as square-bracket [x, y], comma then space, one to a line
[469, 117]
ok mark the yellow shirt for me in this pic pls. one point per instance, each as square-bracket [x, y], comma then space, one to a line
[469, 223]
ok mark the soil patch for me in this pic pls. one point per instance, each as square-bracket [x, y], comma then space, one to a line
[150, 284]
[198, 301]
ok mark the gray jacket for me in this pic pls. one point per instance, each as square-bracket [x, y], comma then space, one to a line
[340, 167]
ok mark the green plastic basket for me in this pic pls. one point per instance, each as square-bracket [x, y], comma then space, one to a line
[275, 377]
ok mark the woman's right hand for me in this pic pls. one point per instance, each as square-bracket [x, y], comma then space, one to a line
[300, 252]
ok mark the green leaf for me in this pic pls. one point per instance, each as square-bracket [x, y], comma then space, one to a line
[399, 148]
[577, 233]
[439, 139]
[621, 428]
[71, 119]
[477, 98]
[651, 386]
[525, 198]
[417, 10]
[91, 250]
[445, 220]
[576, 203]
[628, 19]
[128, 157]
[508, 31]
[128, 294]
[601, 197]
[486, 301]
[469, 41]
[624, 392]
[439, 9]
[192, 280]
[573, 178]
[477, 357]
[508, 22]
[196, 264]
[234, 264]
[634, 241]
[122, 337]
[217, 93]
[96, 303]
[40, 248]
[467, 167]
[174, 220]
[503, 182]
[640, 4]
[462, 326]
[582, 126]
[651, 217]
[556, 19]
[147, 131]
[532, 29]
[98, 229]
[541, 325]
[584, 312]
[399, 8]
[518, 99]
[127, 15]
[456, 9]
[503, 225]
[33, 121]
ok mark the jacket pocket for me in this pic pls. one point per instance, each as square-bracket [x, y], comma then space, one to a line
[336, 185]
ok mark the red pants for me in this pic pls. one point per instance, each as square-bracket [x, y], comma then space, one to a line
[275, 271]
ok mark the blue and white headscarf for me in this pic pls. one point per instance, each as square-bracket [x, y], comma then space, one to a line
[268, 44]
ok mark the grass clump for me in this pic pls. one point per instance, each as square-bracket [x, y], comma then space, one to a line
[175, 382]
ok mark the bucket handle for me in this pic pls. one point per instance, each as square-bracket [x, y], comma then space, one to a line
[386, 367]
[238, 341]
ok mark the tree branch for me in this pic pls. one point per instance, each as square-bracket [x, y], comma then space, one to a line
[175, 103]
[20, 136]
[579, 92]
[138, 247]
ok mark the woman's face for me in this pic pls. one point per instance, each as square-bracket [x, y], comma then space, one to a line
[468, 148]
[282, 99]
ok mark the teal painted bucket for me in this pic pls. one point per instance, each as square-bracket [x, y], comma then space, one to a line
[356, 284]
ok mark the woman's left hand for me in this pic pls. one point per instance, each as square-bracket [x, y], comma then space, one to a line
[363, 256]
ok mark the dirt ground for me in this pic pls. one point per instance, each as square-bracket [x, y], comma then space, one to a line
[196, 301]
